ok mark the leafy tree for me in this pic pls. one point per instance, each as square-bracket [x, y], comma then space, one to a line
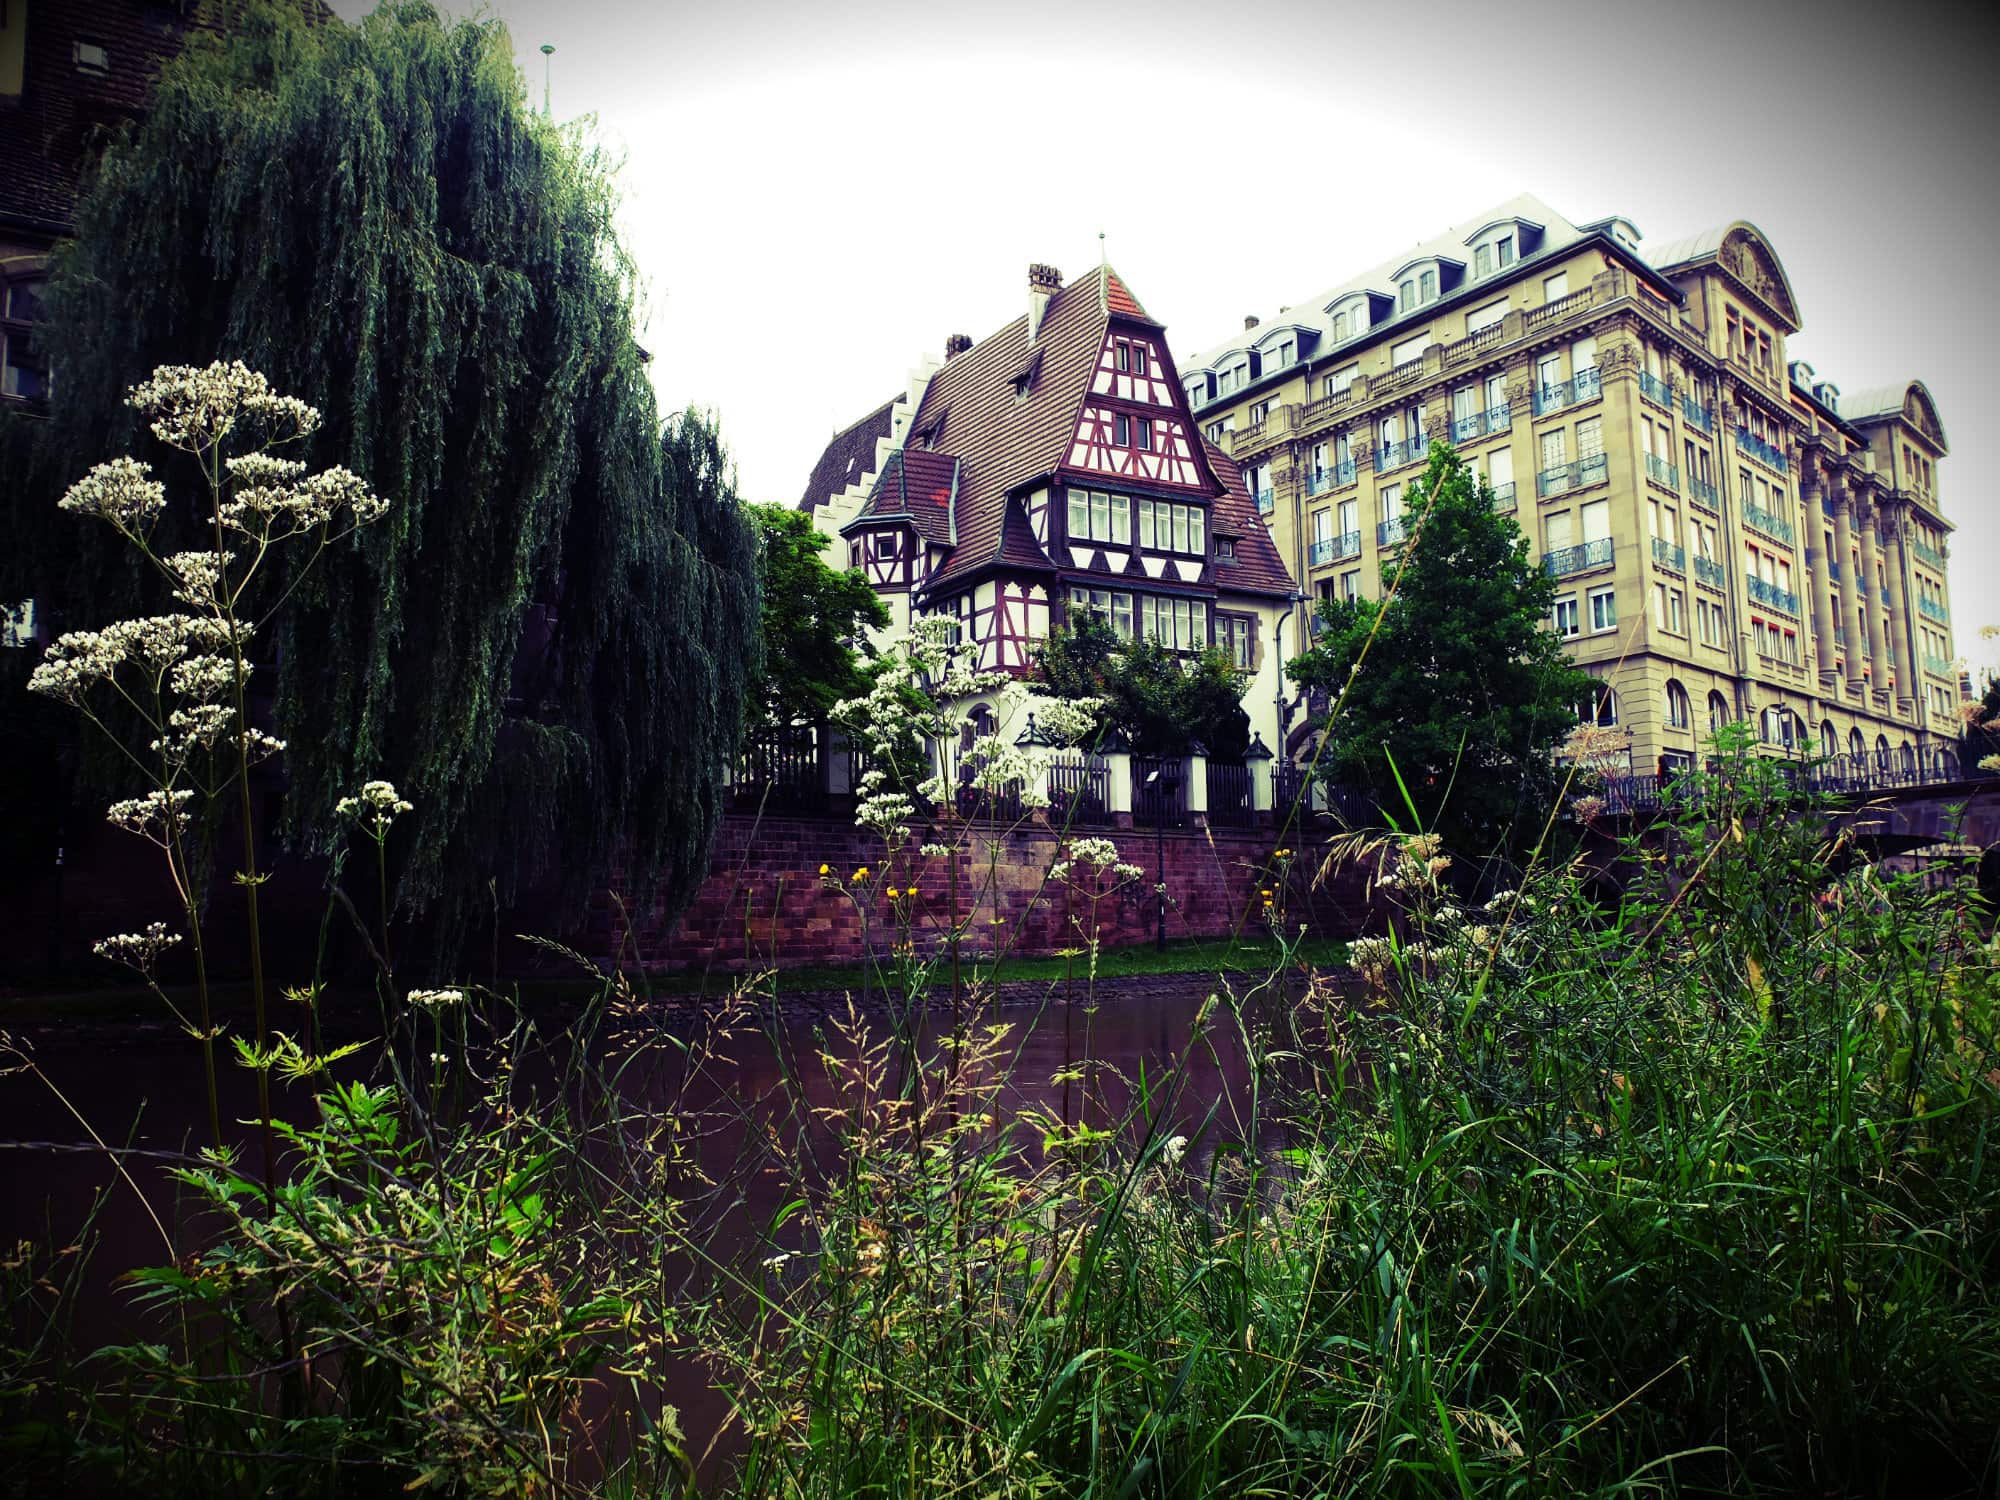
[1160, 702]
[550, 643]
[1461, 684]
[811, 614]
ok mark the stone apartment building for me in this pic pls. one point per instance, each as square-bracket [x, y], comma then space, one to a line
[1733, 537]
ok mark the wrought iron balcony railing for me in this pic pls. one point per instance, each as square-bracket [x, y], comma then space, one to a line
[1571, 476]
[1567, 560]
[1748, 442]
[1759, 519]
[1667, 555]
[1662, 472]
[1777, 598]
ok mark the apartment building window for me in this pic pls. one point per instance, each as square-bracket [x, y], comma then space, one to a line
[1406, 295]
[1340, 327]
[1236, 634]
[1500, 468]
[1177, 624]
[1718, 711]
[1214, 431]
[1391, 500]
[1549, 374]
[1583, 357]
[1095, 516]
[1131, 357]
[1409, 350]
[1260, 410]
[1555, 449]
[1496, 392]
[1142, 434]
[1566, 618]
[1350, 517]
[1350, 585]
[1322, 532]
[1590, 438]
[1558, 532]
[1427, 288]
[1340, 380]
[1601, 707]
[1668, 607]
[1462, 408]
[1114, 608]
[1707, 622]
[1485, 317]
[1603, 609]
[1680, 713]
[1556, 287]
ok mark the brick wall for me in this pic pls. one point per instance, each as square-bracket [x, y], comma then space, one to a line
[764, 900]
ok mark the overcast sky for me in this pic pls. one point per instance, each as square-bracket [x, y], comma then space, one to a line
[818, 193]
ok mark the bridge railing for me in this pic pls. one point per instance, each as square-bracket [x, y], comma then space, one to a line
[1831, 776]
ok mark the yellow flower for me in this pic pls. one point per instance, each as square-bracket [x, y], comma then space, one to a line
[860, 874]
[826, 869]
[893, 893]
[1267, 897]
[1267, 903]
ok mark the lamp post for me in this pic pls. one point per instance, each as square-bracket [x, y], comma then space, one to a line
[548, 51]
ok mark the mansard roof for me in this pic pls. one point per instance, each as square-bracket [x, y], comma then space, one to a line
[1744, 251]
[1911, 401]
[1258, 568]
[848, 457]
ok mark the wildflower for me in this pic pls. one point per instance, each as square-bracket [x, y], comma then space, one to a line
[825, 869]
[137, 950]
[1370, 956]
[436, 999]
[153, 816]
[859, 875]
[195, 408]
[1174, 1150]
[1586, 809]
[935, 851]
[376, 806]
[440, 1058]
[892, 893]
[120, 492]
[197, 576]
[1266, 894]
[1281, 854]
[204, 679]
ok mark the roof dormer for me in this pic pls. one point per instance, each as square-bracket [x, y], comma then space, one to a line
[1426, 279]
[1497, 245]
[1352, 315]
[1282, 345]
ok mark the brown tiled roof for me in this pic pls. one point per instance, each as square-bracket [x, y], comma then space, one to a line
[1018, 547]
[1002, 443]
[850, 455]
[1120, 298]
[45, 136]
[1259, 569]
[916, 484]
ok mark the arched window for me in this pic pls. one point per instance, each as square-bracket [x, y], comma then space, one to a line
[1829, 738]
[1680, 713]
[1718, 711]
[1908, 755]
[24, 368]
[1600, 708]
[1882, 751]
[1856, 745]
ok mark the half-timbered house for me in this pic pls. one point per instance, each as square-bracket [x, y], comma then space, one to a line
[1050, 469]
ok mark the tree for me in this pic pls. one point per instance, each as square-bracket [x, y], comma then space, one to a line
[811, 614]
[1979, 741]
[549, 644]
[1159, 702]
[1461, 685]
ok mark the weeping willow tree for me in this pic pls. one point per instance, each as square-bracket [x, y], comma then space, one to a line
[547, 643]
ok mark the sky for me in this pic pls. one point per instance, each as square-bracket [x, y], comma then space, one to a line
[817, 194]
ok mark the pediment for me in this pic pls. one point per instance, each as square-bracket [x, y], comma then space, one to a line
[1921, 413]
[1748, 258]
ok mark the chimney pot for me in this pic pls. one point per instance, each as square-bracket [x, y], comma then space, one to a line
[1249, 321]
[1043, 278]
[956, 344]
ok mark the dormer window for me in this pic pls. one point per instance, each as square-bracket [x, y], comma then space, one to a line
[92, 58]
[1350, 318]
[1493, 255]
[1407, 295]
[1022, 385]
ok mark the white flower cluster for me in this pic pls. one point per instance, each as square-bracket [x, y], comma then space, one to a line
[197, 578]
[121, 492]
[272, 511]
[195, 407]
[1418, 863]
[1371, 957]
[79, 659]
[883, 813]
[377, 806]
[205, 679]
[436, 999]
[1100, 855]
[137, 950]
[154, 816]
[995, 766]
[1067, 721]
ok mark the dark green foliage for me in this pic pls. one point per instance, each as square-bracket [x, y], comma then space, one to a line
[544, 645]
[811, 613]
[1159, 702]
[1462, 685]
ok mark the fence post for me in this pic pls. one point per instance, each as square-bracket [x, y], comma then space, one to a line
[1119, 802]
[1197, 787]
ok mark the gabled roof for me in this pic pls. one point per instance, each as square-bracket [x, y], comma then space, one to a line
[1002, 443]
[849, 456]
[915, 486]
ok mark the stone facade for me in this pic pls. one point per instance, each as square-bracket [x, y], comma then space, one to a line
[1700, 499]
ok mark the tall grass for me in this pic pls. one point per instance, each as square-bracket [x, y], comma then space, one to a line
[1689, 1194]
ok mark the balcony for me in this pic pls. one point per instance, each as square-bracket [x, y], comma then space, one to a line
[1565, 477]
[1933, 611]
[1503, 496]
[1697, 416]
[1832, 571]
[1929, 556]
[1390, 532]
[1710, 572]
[1266, 501]
[1759, 519]
[1321, 480]
[1587, 385]
[1668, 556]
[1703, 493]
[1885, 593]
[1748, 442]
[1769, 593]
[1567, 560]
[1661, 472]
[1937, 666]
[1395, 455]
[1656, 390]
[1332, 549]
[1481, 424]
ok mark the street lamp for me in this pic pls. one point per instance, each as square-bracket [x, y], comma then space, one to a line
[1162, 783]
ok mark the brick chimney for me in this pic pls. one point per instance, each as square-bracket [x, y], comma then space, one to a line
[1249, 321]
[956, 344]
[1043, 283]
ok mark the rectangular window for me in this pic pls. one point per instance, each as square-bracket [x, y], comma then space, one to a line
[1583, 355]
[1485, 317]
[1556, 287]
[1146, 523]
[1496, 392]
[1596, 520]
[1604, 609]
[1341, 379]
[1350, 585]
[1122, 429]
[1566, 617]
[1676, 620]
[1410, 349]
[1500, 466]
[1392, 501]
[1124, 356]
[1590, 438]
[1121, 521]
[1559, 531]
[1100, 516]
[1482, 261]
[1555, 449]
[1079, 515]
[1180, 528]
[1142, 434]
[1113, 608]
[1322, 525]
[1350, 517]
